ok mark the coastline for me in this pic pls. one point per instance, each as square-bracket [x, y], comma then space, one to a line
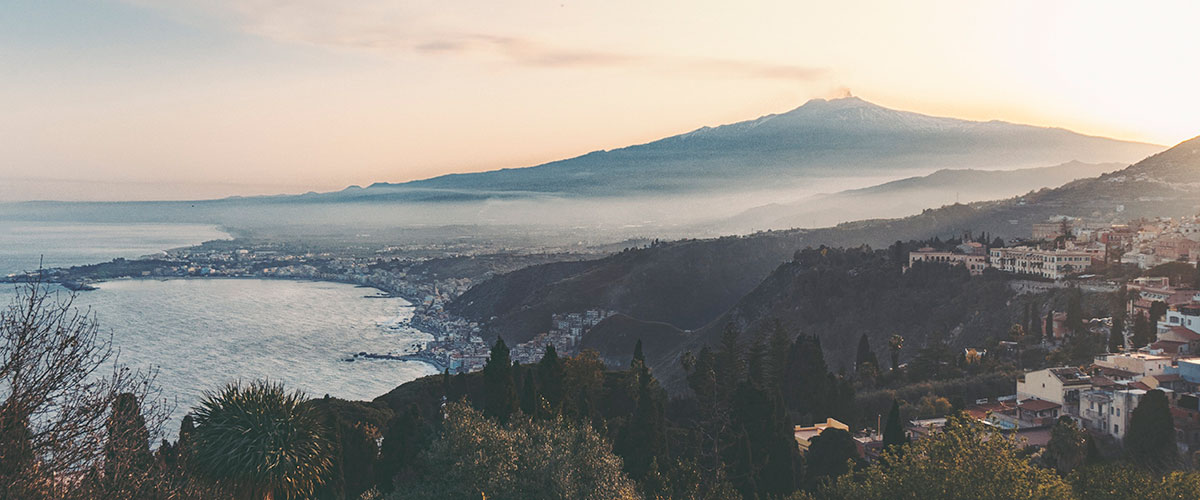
[408, 302]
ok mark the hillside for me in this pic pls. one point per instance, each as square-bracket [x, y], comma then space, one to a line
[691, 285]
[911, 195]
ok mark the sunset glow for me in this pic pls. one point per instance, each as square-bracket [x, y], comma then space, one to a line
[214, 98]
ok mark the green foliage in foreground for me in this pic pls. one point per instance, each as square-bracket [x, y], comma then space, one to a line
[965, 461]
[524, 459]
[259, 441]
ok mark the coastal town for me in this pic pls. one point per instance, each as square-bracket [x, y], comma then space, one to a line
[424, 282]
[1099, 396]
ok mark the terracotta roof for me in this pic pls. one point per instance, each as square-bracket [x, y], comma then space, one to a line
[1139, 385]
[1170, 346]
[1184, 333]
[1169, 377]
[1102, 381]
[1038, 405]
[1114, 373]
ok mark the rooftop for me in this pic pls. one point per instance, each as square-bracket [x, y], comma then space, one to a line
[1038, 405]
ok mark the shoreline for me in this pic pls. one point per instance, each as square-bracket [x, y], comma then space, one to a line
[384, 295]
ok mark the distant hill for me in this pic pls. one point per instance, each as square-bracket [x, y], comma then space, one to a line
[846, 137]
[912, 195]
[691, 285]
[681, 186]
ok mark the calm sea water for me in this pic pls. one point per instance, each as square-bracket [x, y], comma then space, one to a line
[57, 244]
[203, 333]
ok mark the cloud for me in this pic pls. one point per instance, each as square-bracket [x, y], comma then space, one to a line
[406, 28]
[528, 52]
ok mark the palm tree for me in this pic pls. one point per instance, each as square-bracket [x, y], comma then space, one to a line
[260, 442]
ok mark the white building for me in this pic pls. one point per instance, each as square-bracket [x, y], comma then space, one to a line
[1058, 385]
[1141, 363]
[1052, 264]
[975, 263]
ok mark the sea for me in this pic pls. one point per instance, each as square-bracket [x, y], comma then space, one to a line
[198, 334]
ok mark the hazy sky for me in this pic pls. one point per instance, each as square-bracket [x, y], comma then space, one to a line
[203, 98]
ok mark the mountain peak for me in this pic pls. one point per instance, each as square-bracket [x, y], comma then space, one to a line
[850, 102]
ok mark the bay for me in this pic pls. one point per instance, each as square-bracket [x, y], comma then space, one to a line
[200, 334]
[24, 244]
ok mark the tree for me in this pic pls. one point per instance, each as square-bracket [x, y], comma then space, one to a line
[476, 457]
[530, 401]
[500, 396]
[1067, 448]
[259, 441]
[829, 456]
[1143, 334]
[895, 343]
[551, 374]
[1075, 311]
[964, 461]
[1158, 309]
[402, 444]
[1150, 441]
[1017, 334]
[893, 431]
[58, 394]
[865, 355]
[1049, 330]
[127, 457]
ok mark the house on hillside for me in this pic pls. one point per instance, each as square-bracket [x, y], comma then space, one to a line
[1060, 385]
[805, 434]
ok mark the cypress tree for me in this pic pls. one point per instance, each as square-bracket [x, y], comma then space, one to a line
[127, 456]
[1142, 334]
[1150, 441]
[550, 373]
[1035, 325]
[1049, 333]
[529, 397]
[1075, 311]
[893, 430]
[865, 354]
[500, 387]
[402, 444]
[1116, 334]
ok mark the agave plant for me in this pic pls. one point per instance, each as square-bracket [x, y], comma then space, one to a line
[259, 441]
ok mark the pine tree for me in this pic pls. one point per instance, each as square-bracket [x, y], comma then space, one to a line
[500, 387]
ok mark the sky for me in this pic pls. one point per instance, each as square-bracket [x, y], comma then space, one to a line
[189, 99]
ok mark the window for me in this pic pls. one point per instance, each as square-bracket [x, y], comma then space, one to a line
[1116, 429]
[1118, 412]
